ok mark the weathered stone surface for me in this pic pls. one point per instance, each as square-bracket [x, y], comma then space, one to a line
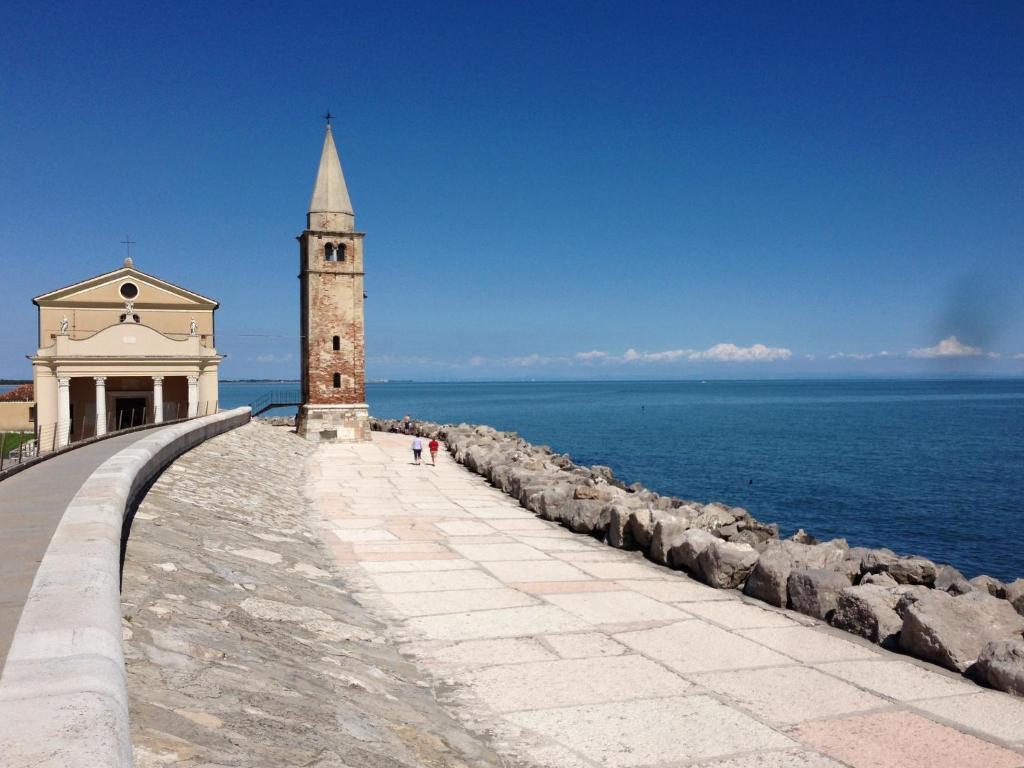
[725, 565]
[949, 579]
[769, 576]
[239, 661]
[879, 580]
[668, 534]
[868, 610]
[619, 535]
[905, 570]
[952, 631]
[694, 542]
[1001, 665]
[992, 586]
[815, 591]
[1015, 595]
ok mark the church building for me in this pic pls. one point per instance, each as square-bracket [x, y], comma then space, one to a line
[121, 349]
[331, 311]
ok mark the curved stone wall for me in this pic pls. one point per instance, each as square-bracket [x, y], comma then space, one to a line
[63, 700]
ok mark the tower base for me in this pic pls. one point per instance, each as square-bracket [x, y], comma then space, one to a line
[334, 423]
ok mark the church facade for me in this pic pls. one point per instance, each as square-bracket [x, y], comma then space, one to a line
[121, 349]
[331, 311]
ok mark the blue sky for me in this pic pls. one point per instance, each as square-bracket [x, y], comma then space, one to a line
[549, 189]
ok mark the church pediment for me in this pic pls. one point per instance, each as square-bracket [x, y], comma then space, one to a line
[127, 340]
[114, 288]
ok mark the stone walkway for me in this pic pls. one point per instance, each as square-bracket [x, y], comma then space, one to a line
[569, 653]
[32, 503]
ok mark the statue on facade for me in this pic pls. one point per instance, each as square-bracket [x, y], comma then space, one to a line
[129, 315]
[193, 327]
[64, 326]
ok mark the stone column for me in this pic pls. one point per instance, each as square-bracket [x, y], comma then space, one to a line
[101, 405]
[63, 411]
[193, 396]
[158, 399]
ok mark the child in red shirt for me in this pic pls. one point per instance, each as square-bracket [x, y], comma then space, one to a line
[433, 451]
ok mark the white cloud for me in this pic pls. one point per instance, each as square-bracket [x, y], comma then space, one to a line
[271, 358]
[1019, 356]
[757, 353]
[591, 356]
[951, 347]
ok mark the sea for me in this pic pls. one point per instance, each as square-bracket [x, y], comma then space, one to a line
[934, 468]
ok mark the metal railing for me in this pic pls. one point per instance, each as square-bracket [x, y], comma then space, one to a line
[19, 446]
[276, 398]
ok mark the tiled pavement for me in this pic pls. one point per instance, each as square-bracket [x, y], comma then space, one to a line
[572, 654]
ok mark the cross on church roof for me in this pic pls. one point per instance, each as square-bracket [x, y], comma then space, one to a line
[328, 117]
[128, 242]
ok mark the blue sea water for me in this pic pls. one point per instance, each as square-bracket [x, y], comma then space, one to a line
[934, 468]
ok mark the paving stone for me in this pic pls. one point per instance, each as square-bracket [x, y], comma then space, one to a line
[505, 622]
[994, 714]
[584, 645]
[561, 587]
[495, 552]
[903, 740]
[418, 566]
[735, 614]
[465, 528]
[652, 732]
[899, 680]
[787, 759]
[485, 652]
[619, 570]
[808, 645]
[678, 590]
[615, 607]
[535, 570]
[434, 581]
[456, 601]
[788, 695]
[569, 682]
[695, 646]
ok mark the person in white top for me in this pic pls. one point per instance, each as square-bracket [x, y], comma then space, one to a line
[417, 450]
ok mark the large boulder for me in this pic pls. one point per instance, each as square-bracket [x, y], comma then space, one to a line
[694, 541]
[587, 516]
[1001, 665]
[868, 610]
[668, 534]
[619, 535]
[949, 579]
[879, 580]
[767, 579]
[725, 565]
[1015, 594]
[992, 586]
[952, 631]
[815, 591]
[713, 517]
[905, 570]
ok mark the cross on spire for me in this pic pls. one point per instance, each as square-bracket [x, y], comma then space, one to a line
[128, 243]
[328, 117]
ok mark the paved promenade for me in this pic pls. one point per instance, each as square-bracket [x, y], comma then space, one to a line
[569, 653]
[32, 502]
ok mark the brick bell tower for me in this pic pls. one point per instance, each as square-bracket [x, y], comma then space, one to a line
[331, 278]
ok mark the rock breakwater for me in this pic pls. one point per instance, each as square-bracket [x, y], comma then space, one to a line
[905, 603]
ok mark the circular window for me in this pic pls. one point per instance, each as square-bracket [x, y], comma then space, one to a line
[129, 290]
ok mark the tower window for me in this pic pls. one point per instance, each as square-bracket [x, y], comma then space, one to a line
[340, 252]
[337, 343]
[337, 381]
[328, 252]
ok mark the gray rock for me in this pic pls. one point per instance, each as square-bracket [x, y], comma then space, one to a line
[803, 537]
[913, 570]
[668, 534]
[992, 586]
[952, 631]
[641, 527]
[712, 517]
[767, 580]
[949, 579]
[877, 560]
[907, 595]
[1001, 665]
[725, 565]
[694, 542]
[879, 580]
[619, 535]
[868, 610]
[1015, 594]
[815, 591]
[587, 516]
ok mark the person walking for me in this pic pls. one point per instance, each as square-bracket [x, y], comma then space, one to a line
[433, 446]
[417, 450]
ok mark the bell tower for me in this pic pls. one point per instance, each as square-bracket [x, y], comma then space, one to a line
[331, 283]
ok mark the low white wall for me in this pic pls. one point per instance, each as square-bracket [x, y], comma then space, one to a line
[63, 697]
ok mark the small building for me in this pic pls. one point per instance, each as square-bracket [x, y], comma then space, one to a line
[122, 349]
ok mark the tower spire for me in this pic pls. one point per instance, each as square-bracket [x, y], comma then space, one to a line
[330, 207]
